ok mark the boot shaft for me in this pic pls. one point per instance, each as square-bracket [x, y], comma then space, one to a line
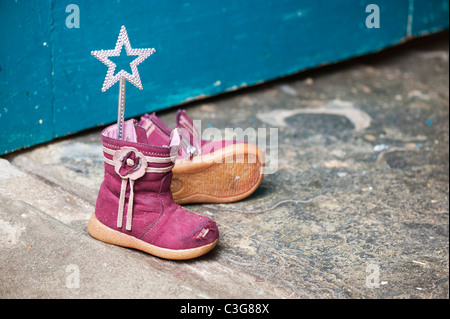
[137, 177]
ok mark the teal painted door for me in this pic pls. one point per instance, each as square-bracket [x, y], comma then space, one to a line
[50, 85]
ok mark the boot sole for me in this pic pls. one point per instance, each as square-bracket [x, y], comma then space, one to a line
[224, 176]
[103, 233]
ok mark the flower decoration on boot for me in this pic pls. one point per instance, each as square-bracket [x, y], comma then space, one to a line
[129, 163]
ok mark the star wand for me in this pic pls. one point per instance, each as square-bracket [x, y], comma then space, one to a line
[122, 76]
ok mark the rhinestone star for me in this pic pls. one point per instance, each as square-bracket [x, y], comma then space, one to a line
[122, 41]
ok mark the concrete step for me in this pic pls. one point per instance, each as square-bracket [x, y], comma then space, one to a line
[357, 206]
[43, 257]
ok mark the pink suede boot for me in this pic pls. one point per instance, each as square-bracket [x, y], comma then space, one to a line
[208, 172]
[135, 207]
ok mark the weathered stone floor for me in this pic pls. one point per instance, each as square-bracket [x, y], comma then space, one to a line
[357, 208]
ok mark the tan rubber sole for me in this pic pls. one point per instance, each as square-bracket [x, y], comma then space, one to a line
[101, 232]
[224, 176]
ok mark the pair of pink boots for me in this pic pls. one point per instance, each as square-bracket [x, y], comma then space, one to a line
[153, 170]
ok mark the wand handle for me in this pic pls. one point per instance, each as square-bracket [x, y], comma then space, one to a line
[121, 108]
